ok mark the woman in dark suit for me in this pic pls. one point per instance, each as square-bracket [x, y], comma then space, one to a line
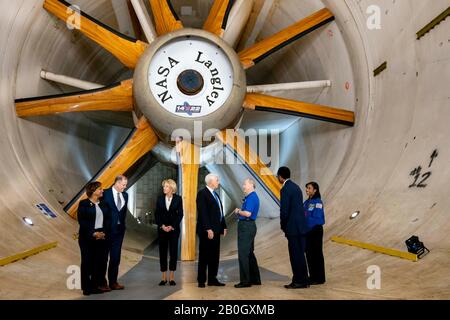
[168, 216]
[94, 218]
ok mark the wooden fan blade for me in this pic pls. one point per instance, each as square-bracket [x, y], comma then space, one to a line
[261, 102]
[140, 141]
[165, 17]
[252, 55]
[189, 165]
[218, 17]
[237, 144]
[124, 48]
[117, 97]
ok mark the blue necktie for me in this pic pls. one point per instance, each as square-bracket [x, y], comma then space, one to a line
[218, 203]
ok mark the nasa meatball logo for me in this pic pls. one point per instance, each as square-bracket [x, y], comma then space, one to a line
[195, 71]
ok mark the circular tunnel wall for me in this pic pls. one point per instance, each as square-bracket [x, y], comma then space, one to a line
[401, 119]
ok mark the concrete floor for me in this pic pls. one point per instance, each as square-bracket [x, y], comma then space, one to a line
[142, 280]
[399, 278]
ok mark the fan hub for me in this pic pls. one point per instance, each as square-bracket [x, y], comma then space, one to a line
[190, 75]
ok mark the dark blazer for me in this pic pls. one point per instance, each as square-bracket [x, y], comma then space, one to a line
[208, 213]
[292, 215]
[86, 218]
[171, 217]
[116, 215]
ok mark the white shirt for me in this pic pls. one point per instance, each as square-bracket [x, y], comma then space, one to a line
[168, 202]
[211, 190]
[122, 200]
[98, 217]
[285, 181]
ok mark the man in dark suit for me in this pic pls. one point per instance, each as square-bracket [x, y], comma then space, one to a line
[210, 225]
[117, 200]
[293, 224]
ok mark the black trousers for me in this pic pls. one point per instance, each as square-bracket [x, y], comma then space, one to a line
[94, 259]
[296, 246]
[208, 257]
[168, 241]
[114, 251]
[314, 254]
[248, 265]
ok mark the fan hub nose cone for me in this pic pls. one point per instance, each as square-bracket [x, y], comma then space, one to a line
[190, 76]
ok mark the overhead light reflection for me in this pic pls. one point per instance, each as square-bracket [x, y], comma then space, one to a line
[28, 221]
[354, 215]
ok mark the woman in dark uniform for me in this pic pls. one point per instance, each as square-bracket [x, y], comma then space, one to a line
[168, 216]
[94, 219]
[314, 212]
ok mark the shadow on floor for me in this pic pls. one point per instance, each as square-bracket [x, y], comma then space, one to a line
[141, 282]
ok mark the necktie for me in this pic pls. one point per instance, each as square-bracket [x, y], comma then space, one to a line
[218, 203]
[119, 201]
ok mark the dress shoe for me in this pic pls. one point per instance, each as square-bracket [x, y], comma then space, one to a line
[314, 283]
[117, 286]
[162, 283]
[96, 291]
[201, 285]
[296, 286]
[242, 285]
[216, 284]
[86, 292]
[256, 283]
[172, 283]
[104, 288]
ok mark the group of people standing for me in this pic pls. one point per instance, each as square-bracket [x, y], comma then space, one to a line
[102, 228]
[210, 226]
[301, 222]
[303, 228]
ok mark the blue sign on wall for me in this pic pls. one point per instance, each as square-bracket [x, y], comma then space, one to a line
[46, 210]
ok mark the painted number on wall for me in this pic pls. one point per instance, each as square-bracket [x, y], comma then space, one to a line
[419, 177]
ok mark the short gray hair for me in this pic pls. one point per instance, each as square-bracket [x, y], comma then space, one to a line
[209, 177]
[120, 178]
[251, 181]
